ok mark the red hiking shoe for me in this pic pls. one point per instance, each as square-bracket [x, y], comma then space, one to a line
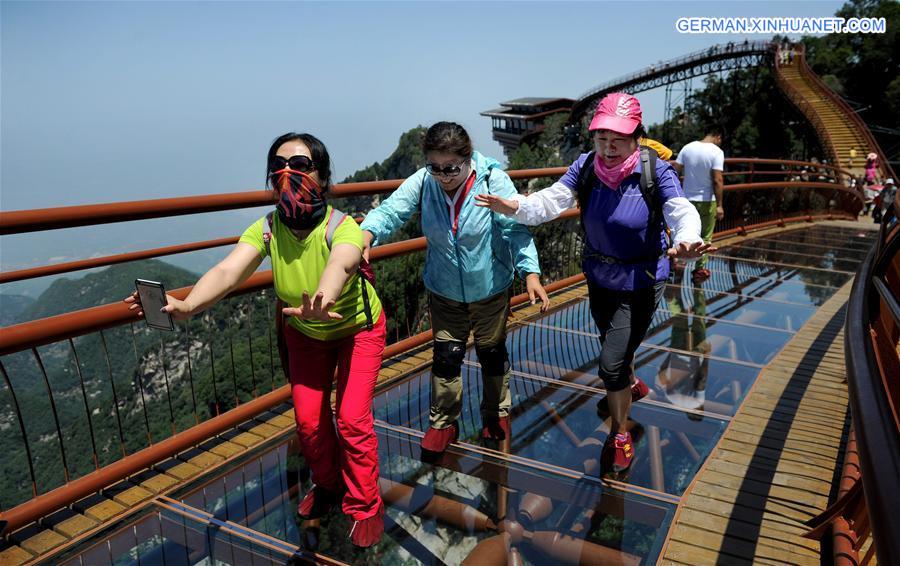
[618, 452]
[639, 390]
[318, 502]
[438, 439]
[495, 428]
[368, 531]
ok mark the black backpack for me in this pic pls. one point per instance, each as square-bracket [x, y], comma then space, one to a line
[649, 191]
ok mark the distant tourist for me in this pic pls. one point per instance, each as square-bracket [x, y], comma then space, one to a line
[884, 202]
[662, 151]
[627, 197]
[702, 163]
[333, 314]
[871, 168]
[470, 263]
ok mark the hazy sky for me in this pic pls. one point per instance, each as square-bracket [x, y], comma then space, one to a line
[108, 101]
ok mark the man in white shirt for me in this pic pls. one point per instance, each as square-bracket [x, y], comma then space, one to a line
[701, 163]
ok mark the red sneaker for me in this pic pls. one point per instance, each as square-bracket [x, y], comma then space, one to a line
[618, 452]
[368, 531]
[639, 390]
[495, 428]
[317, 502]
[438, 439]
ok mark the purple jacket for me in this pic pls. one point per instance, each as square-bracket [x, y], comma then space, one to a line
[616, 226]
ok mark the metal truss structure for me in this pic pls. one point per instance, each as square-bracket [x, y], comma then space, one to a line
[717, 58]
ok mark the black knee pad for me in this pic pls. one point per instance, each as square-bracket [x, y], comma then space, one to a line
[494, 359]
[448, 358]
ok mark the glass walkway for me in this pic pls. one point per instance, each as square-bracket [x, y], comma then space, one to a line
[541, 496]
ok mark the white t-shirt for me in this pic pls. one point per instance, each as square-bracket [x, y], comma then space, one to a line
[698, 159]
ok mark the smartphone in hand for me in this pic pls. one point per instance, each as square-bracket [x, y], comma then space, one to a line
[153, 299]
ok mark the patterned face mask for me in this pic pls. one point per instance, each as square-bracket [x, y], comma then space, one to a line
[301, 201]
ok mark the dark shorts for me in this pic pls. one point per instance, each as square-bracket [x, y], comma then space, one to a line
[623, 318]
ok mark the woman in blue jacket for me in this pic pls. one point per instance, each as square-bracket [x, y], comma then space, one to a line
[471, 259]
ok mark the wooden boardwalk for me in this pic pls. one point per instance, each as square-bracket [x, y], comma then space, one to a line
[775, 465]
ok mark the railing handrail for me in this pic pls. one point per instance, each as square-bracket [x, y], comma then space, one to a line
[51, 329]
[848, 112]
[12, 222]
[878, 437]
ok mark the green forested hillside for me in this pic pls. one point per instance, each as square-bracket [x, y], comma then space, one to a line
[102, 287]
[136, 380]
[11, 306]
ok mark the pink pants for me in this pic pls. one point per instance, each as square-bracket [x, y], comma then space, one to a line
[349, 455]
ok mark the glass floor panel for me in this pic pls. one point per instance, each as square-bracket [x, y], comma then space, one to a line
[819, 243]
[557, 422]
[819, 261]
[804, 249]
[787, 258]
[447, 511]
[818, 277]
[177, 536]
[680, 301]
[774, 290]
[733, 341]
[855, 234]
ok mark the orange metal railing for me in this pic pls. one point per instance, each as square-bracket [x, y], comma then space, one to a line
[869, 487]
[739, 176]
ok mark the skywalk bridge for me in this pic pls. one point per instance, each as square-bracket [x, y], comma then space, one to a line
[840, 129]
[192, 457]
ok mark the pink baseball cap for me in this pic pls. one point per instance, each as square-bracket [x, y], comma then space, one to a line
[618, 112]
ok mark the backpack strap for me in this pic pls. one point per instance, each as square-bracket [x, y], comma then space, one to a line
[364, 271]
[650, 186]
[267, 236]
[279, 304]
[334, 220]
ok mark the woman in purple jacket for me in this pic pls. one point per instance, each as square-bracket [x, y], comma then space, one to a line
[626, 250]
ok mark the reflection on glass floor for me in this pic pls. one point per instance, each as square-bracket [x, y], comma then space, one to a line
[174, 535]
[468, 508]
[539, 497]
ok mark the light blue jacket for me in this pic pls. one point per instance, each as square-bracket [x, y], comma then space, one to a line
[477, 262]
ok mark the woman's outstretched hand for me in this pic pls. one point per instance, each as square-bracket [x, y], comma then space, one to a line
[179, 310]
[536, 291]
[684, 250]
[367, 244]
[315, 309]
[497, 204]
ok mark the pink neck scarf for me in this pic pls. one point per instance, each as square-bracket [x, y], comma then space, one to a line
[613, 176]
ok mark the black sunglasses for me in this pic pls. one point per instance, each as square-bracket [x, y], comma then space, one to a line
[448, 171]
[299, 163]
